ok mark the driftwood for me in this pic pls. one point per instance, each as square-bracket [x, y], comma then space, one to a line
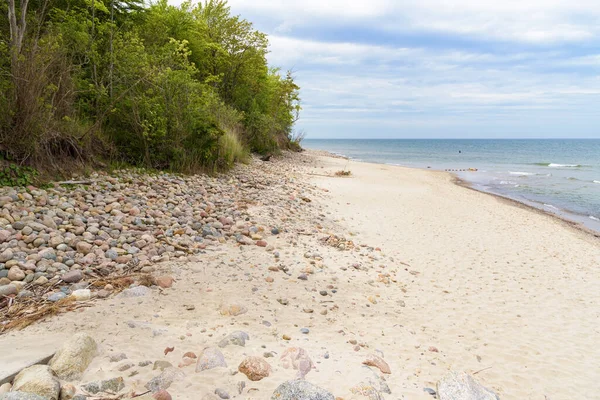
[266, 158]
[75, 182]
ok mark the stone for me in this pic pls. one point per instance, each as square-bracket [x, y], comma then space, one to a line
[4, 235]
[137, 291]
[67, 391]
[374, 360]
[164, 281]
[255, 368]
[300, 390]
[262, 243]
[233, 310]
[6, 255]
[237, 338]
[82, 294]
[210, 358]
[161, 364]
[38, 379]
[20, 396]
[297, 358]
[16, 274]
[462, 386]
[113, 385]
[73, 358]
[73, 276]
[165, 379]
[8, 290]
[117, 357]
[162, 395]
[54, 297]
[222, 393]
[83, 247]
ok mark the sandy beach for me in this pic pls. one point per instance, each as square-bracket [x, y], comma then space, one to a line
[432, 277]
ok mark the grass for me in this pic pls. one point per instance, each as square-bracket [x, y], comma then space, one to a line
[231, 149]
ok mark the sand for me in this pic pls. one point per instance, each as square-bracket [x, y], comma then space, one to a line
[449, 279]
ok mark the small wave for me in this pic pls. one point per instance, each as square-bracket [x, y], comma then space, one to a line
[507, 183]
[556, 165]
[521, 173]
[596, 182]
[552, 165]
[594, 218]
[551, 206]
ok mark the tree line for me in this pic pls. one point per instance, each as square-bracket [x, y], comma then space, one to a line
[182, 88]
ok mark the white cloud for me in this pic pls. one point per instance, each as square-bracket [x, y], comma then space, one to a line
[535, 21]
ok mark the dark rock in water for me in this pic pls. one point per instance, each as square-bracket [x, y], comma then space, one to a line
[461, 386]
[295, 390]
[237, 338]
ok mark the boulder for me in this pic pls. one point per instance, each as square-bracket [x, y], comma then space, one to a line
[38, 379]
[297, 358]
[210, 358]
[164, 380]
[255, 368]
[295, 390]
[462, 386]
[237, 338]
[71, 360]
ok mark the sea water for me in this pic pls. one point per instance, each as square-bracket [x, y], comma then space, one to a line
[557, 175]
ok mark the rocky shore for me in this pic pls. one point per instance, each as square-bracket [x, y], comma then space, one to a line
[242, 285]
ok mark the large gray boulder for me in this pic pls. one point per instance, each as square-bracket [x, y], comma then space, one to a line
[74, 357]
[300, 390]
[20, 396]
[37, 379]
[462, 386]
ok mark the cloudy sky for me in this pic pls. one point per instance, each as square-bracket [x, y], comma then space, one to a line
[438, 68]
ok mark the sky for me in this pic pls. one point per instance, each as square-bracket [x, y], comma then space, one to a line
[438, 68]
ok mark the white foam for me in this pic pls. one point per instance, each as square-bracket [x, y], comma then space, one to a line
[507, 183]
[594, 218]
[596, 181]
[521, 173]
[551, 206]
[563, 165]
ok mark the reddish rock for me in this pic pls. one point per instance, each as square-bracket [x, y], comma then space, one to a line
[162, 395]
[297, 358]
[262, 243]
[376, 361]
[73, 276]
[433, 349]
[269, 279]
[83, 247]
[164, 281]
[255, 368]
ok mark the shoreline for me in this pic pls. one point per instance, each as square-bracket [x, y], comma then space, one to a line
[570, 220]
[394, 264]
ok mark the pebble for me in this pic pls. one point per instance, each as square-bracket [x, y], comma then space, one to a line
[54, 297]
[323, 292]
[305, 331]
[8, 290]
[16, 274]
[222, 393]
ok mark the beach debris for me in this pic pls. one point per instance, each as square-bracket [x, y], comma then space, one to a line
[374, 360]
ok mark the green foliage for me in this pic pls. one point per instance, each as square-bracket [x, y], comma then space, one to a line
[182, 88]
[14, 175]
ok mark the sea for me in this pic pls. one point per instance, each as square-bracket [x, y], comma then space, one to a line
[561, 176]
